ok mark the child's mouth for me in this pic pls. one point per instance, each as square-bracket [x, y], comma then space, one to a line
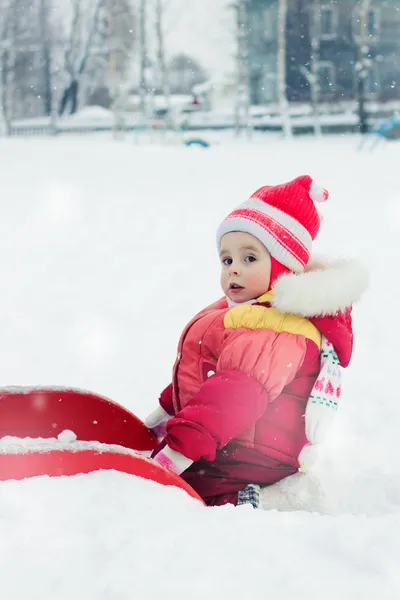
[235, 288]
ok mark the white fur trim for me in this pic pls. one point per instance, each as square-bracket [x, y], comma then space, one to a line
[323, 289]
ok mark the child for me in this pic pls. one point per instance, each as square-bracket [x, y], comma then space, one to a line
[257, 372]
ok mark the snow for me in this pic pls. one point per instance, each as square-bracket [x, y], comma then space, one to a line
[106, 250]
[67, 436]
[14, 445]
[92, 112]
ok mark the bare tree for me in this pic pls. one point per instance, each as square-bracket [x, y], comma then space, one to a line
[27, 38]
[143, 56]
[116, 35]
[161, 63]
[363, 64]
[84, 25]
[18, 46]
[5, 70]
[6, 45]
[111, 49]
[311, 74]
[46, 52]
[281, 68]
[242, 104]
[42, 51]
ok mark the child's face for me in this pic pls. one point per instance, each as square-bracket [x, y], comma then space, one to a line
[246, 266]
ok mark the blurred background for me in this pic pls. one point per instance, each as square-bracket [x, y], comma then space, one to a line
[296, 66]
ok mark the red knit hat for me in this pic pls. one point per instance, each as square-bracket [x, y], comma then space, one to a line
[283, 217]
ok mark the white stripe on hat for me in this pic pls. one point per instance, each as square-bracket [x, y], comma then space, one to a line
[296, 229]
[275, 247]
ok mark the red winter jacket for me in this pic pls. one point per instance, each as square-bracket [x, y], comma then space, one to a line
[241, 382]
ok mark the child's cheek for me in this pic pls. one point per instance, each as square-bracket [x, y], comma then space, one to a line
[257, 279]
[223, 280]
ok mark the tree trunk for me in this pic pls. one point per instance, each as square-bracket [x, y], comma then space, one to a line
[361, 110]
[314, 79]
[46, 56]
[143, 58]
[70, 97]
[74, 96]
[281, 67]
[64, 101]
[243, 87]
[162, 69]
[362, 67]
[4, 92]
[76, 64]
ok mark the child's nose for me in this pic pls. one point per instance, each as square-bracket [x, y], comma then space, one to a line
[234, 269]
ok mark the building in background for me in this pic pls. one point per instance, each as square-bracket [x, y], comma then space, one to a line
[336, 27]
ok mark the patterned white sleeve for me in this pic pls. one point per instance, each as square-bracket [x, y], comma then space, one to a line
[322, 404]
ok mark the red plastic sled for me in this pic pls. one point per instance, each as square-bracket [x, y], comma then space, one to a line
[54, 463]
[46, 412]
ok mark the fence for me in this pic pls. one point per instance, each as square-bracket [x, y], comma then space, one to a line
[346, 122]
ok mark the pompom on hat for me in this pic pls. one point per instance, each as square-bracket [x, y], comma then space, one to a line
[284, 218]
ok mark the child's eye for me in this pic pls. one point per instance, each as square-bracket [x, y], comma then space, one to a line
[227, 262]
[250, 258]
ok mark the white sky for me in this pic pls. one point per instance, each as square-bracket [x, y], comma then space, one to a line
[203, 29]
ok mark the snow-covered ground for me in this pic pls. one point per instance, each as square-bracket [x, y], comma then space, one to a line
[106, 250]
